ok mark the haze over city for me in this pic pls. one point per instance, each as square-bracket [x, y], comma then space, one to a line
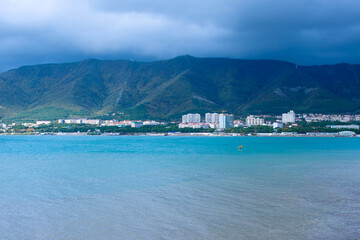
[304, 32]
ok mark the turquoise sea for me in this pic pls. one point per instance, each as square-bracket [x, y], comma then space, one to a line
[141, 187]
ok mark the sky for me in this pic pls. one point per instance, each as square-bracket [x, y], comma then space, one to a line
[305, 32]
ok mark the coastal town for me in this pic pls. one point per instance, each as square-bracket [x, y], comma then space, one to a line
[212, 124]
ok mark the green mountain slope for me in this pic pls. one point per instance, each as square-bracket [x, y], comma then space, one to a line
[167, 89]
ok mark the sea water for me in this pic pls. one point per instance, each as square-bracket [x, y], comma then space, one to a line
[141, 187]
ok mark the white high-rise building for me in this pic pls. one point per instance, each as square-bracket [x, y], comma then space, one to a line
[226, 121]
[288, 117]
[251, 120]
[184, 119]
[191, 118]
[212, 117]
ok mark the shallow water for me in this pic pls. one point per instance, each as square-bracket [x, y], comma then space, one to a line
[88, 187]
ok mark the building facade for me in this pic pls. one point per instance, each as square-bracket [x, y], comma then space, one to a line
[277, 125]
[251, 120]
[43, 122]
[345, 127]
[194, 125]
[212, 117]
[191, 118]
[81, 121]
[226, 121]
[136, 124]
[288, 117]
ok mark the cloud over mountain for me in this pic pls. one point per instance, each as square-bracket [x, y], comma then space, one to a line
[306, 32]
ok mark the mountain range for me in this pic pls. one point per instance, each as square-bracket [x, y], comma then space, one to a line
[166, 89]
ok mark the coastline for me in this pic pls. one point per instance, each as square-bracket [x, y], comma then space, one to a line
[326, 135]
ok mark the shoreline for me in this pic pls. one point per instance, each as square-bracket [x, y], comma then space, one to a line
[311, 135]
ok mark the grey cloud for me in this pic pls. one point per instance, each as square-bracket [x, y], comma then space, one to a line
[305, 32]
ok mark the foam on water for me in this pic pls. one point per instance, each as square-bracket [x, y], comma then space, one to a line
[79, 187]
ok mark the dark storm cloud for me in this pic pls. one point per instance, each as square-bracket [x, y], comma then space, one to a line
[305, 32]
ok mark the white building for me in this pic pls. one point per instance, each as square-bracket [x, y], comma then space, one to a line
[194, 125]
[81, 121]
[43, 122]
[251, 120]
[92, 121]
[238, 123]
[226, 121]
[28, 124]
[277, 125]
[214, 125]
[191, 118]
[345, 127]
[212, 117]
[184, 119]
[347, 133]
[136, 124]
[71, 121]
[288, 117]
[116, 123]
[151, 123]
[348, 118]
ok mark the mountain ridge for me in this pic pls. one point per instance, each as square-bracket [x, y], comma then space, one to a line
[166, 89]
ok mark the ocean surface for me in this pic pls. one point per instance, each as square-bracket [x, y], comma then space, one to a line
[140, 187]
